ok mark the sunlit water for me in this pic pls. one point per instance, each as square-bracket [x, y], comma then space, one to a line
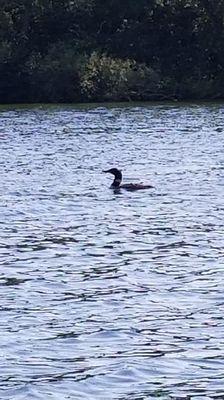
[109, 295]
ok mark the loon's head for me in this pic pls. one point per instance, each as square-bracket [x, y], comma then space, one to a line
[117, 177]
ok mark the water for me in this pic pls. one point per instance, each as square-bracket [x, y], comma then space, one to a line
[109, 295]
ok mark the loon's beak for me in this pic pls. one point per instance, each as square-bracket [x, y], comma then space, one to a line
[106, 171]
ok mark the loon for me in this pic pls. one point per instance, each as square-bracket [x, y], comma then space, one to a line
[128, 186]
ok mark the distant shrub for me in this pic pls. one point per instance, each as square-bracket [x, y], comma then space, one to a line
[105, 78]
[191, 88]
[55, 76]
[5, 51]
[64, 75]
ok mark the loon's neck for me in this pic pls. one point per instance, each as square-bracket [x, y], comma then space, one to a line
[116, 183]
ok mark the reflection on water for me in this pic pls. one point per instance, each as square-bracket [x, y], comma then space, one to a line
[112, 295]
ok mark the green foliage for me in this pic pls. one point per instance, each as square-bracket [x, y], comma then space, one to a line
[107, 78]
[86, 50]
[55, 76]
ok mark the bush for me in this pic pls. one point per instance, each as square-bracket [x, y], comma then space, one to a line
[55, 77]
[203, 88]
[105, 78]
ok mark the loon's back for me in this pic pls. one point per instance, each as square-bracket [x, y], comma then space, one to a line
[135, 186]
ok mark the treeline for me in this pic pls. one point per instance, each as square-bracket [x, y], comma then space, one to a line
[111, 50]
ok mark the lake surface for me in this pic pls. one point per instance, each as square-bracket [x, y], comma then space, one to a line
[109, 295]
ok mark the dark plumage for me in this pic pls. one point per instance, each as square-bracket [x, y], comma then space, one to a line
[128, 186]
